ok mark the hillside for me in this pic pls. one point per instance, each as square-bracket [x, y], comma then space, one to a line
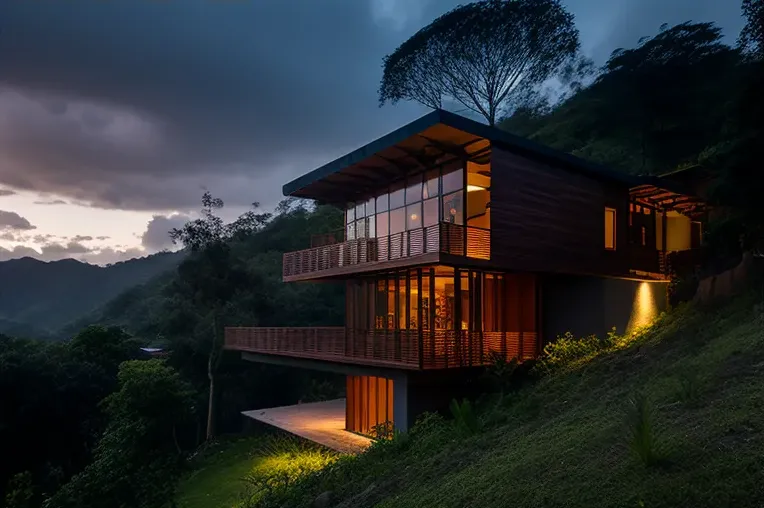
[567, 441]
[38, 298]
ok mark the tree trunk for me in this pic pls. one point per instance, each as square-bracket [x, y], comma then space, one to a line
[211, 405]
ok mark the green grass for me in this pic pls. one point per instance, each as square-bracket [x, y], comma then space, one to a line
[238, 471]
[570, 439]
[217, 478]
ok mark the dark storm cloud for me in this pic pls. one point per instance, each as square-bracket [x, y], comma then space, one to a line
[138, 104]
[14, 221]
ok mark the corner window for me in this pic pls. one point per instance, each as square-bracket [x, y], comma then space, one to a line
[609, 228]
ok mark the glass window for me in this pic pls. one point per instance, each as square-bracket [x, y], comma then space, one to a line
[426, 302]
[350, 213]
[382, 202]
[396, 198]
[370, 207]
[431, 184]
[402, 302]
[430, 212]
[350, 233]
[413, 302]
[382, 225]
[360, 228]
[414, 190]
[360, 210]
[414, 216]
[397, 220]
[371, 226]
[453, 181]
[610, 228]
[453, 209]
[380, 321]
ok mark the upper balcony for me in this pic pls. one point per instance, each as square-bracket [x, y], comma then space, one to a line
[332, 256]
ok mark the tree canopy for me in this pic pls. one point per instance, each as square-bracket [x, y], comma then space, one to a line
[485, 56]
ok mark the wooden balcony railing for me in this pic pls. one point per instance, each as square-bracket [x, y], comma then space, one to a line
[443, 238]
[408, 349]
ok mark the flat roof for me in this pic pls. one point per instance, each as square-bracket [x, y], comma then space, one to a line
[425, 140]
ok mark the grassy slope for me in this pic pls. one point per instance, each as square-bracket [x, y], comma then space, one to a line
[217, 478]
[565, 441]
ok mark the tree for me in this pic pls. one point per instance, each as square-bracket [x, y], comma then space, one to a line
[139, 457]
[211, 276]
[752, 35]
[484, 55]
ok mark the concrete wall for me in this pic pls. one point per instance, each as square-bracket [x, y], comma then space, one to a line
[586, 305]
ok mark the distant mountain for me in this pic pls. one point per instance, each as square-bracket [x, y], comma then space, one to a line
[39, 298]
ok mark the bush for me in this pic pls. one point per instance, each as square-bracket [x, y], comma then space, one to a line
[640, 424]
[465, 420]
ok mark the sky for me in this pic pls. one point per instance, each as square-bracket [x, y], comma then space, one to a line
[116, 115]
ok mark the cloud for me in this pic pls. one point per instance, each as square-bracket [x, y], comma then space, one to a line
[8, 236]
[82, 238]
[51, 202]
[6, 192]
[140, 105]
[102, 238]
[156, 237]
[12, 220]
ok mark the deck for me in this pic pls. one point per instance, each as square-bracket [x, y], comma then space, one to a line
[407, 248]
[320, 422]
[401, 349]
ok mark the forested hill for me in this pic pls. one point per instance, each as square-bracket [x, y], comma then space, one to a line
[38, 298]
[653, 108]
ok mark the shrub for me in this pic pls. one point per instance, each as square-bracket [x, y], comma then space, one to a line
[501, 372]
[640, 424]
[465, 420]
[689, 386]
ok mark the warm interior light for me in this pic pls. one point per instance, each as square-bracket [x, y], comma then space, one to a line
[452, 211]
[471, 188]
[413, 216]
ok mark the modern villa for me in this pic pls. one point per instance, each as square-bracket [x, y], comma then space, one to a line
[463, 242]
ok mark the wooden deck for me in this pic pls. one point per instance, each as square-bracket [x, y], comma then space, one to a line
[320, 422]
[418, 246]
[402, 349]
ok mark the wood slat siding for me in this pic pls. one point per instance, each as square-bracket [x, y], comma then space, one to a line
[369, 402]
[545, 218]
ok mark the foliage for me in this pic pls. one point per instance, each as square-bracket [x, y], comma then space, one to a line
[138, 459]
[465, 420]
[641, 431]
[575, 442]
[284, 462]
[671, 93]
[20, 491]
[501, 372]
[689, 385]
[752, 35]
[49, 410]
[483, 55]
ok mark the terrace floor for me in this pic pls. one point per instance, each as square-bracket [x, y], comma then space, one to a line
[320, 422]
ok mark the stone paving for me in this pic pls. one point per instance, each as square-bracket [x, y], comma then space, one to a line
[321, 422]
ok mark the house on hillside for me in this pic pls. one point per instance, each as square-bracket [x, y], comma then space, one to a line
[463, 241]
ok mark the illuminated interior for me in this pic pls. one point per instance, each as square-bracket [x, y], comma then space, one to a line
[443, 195]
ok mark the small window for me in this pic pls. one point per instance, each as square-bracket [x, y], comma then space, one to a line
[414, 190]
[397, 197]
[382, 202]
[610, 228]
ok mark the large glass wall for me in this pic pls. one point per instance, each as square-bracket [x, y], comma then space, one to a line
[423, 200]
[430, 298]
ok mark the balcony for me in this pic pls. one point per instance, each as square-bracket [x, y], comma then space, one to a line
[402, 349]
[329, 257]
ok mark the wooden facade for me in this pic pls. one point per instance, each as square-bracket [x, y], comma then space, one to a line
[369, 405]
[445, 198]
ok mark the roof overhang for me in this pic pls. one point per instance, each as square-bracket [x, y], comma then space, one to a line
[437, 138]
[668, 196]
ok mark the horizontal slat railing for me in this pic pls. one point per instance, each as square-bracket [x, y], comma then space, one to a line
[440, 349]
[444, 237]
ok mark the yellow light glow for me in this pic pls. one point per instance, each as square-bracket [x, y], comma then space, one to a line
[645, 308]
[471, 188]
